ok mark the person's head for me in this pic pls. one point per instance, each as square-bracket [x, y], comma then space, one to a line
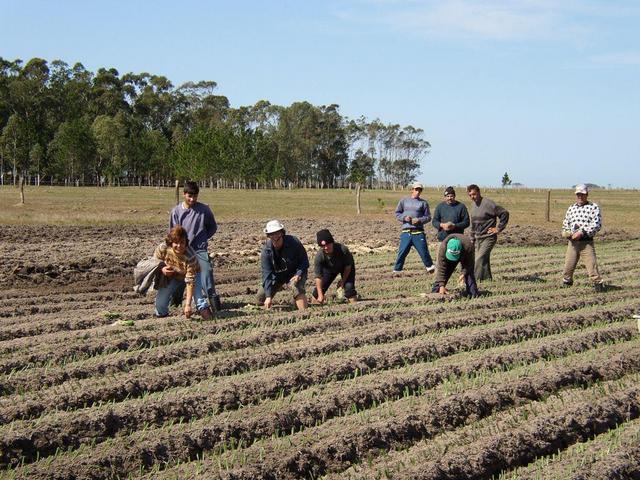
[450, 195]
[177, 239]
[474, 192]
[416, 189]
[454, 249]
[325, 241]
[582, 194]
[190, 193]
[275, 232]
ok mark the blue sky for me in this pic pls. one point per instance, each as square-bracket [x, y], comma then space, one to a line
[547, 90]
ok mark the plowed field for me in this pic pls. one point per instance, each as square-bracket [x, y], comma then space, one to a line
[530, 380]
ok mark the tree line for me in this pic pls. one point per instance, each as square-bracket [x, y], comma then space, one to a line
[66, 125]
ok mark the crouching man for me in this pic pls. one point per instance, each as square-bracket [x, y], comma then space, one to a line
[284, 262]
[454, 249]
[331, 260]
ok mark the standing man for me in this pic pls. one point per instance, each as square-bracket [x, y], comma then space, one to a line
[581, 223]
[484, 229]
[414, 213]
[450, 216]
[454, 249]
[331, 260]
[284, 261]
[198, 220]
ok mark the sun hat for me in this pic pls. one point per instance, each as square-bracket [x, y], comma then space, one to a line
[582, 188]
[324, 237]
[417, 185]
[273, 226]
[454, 249]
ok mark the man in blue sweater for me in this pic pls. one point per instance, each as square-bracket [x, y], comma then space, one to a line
[198, 220]
[414, 213]
[284, 261]
[450, 216]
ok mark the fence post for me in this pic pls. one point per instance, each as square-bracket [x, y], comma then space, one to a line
[22, 189]
[548, 210]
[177, 192]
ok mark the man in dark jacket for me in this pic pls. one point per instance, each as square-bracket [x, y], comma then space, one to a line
[454, 249]
[450, 216]
[332, 260]
[284, 262]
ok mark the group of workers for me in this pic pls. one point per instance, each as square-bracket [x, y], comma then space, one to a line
[183, 261]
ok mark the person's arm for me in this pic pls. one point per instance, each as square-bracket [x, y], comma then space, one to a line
[567, 227]
[187, 301]
[470, 285]
[192, 270]
[210, 223]
[400, 212]
[173, 220]
[348, 265]
[161, 254]
[268, 275]
[345, 274]
[303, 260]
[595, 222]
[318, 282]
[436, 218]
[464, 218]
[426, 217]
[503, 216]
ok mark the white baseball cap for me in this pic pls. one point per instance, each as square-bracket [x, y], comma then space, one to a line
[417, 185]
[273, 226]
[581, 188]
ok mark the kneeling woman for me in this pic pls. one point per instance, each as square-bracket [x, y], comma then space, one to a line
[180, 265]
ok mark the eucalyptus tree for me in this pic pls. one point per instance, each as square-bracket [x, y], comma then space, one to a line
[73, 152]
[112, 143]
[108, 92]
[331, 152]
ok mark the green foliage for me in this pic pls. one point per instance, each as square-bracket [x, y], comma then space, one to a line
[72, 126]
[506, 181]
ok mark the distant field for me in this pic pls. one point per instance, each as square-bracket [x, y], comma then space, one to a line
[150, 206]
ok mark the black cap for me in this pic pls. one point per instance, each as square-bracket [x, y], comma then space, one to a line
[449, 191]
[324, 237]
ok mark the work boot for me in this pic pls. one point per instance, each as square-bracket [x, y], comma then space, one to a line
[215, 303]
[599, 287]
[567, 282]
[206, 314]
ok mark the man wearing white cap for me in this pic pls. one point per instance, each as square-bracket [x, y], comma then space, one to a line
[414, 213]
[284, 262]
[581, 222]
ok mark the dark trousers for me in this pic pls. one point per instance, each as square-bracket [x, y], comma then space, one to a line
[349, 284]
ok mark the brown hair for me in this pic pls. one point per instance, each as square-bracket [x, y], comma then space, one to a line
[473, 186]
[176, 234]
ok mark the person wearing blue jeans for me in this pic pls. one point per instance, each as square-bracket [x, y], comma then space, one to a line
[200, 224]
[414, 213]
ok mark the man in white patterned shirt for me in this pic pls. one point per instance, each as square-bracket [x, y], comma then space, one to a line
[581, 222]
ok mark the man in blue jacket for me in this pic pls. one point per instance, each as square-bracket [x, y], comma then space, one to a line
[284, 261]
[414, 213]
